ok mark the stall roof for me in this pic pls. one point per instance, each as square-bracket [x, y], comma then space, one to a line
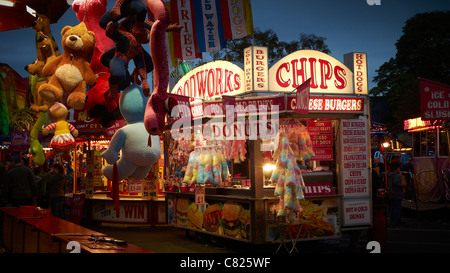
[93, 130]
[16, 14]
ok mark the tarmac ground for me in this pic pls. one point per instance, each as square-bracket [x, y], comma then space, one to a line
[424, 232]
[427, 232]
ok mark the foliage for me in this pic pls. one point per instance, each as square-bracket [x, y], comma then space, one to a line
[22, 119]
[276, 49]
[422, 51]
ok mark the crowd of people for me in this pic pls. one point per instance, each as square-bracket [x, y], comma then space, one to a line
[42, 186]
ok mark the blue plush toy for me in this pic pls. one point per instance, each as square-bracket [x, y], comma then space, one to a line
[137, 157]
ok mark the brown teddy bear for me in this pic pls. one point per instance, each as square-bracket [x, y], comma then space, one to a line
[42, 24]
[45, 53]
[70, 72]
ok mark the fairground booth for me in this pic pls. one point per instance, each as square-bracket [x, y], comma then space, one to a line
[431, 138]
[265, 152]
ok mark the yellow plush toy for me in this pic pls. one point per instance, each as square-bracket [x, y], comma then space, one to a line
[63, 140]
[70, 72]
[45, 54]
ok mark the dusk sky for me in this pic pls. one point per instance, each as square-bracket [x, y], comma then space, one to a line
[347, 25]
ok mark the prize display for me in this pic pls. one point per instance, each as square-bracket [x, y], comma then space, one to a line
[137, 158]
[206, 166]
[159, 103]
[98, 106]
[63, 139]
[70, 72]
[288, 178]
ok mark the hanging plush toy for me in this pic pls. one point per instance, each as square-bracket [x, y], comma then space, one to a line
[128, 36]
[42, 24]
[124, 8]
[63, 140]
[159, 103]
[128, 47]
[137, 158]
[70, 73]
[45, 54]
[98, 106]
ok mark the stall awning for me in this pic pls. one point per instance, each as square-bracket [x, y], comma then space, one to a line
[90, 128]
[14, 13]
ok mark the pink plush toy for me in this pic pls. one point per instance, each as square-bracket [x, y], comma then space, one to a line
[90, 12]
[159, 103]
[98, 106]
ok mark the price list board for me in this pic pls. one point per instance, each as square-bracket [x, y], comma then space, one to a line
[355, 183]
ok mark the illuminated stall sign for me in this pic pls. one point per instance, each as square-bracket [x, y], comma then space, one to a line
[316, 104]
[435, 100]
[328, 104]
[327, 74]
[256, 69]
[415, 123]
[211, 80]
[357, 62]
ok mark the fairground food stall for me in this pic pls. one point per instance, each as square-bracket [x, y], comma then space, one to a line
[141, 201]
[431, 157]
[330, 145]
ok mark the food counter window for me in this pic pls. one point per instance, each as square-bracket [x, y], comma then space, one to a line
[214, 163]
[312, 145]
[443, 143]
[424, 143]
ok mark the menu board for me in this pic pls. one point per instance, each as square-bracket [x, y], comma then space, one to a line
[322, 139]
[355, 158]
[355, 185]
